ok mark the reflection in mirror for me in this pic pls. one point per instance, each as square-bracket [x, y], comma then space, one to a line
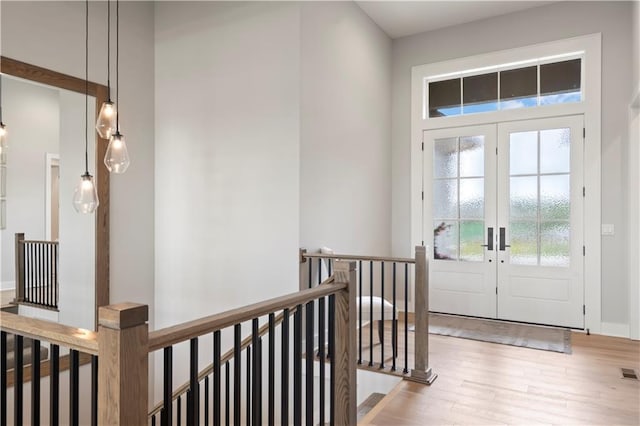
[43, 163]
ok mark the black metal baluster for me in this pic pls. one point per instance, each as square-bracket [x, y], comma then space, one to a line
[74, 387]
[381, 323]
[40, 247]
[255, 401]
[247, 403]
[153, 420]
[258, 388]
[406, 319]
[27, 275]
[47, 250]
[35, 382]
[216, 378]
[179, 411]
[54, 386]
[284, 397]
[319, 271]
[193, 409]
[206, 400]
[94, 391]
[321, 350]
[227, 393]
[332, 365]
[329, 263]
[237, 362]
[394, 324]
[18, 376]
[271, 373]
[55, 290]
[309, 366]
[360, 312]
[310, 272]
[297, 366]
[370, 313]
[3, 378]
[166, 418]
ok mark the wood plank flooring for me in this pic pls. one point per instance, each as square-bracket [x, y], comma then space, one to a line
[487, 383]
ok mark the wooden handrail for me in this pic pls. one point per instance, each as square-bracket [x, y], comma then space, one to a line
[227, 356]
[38, 242]
[74, 338]
[355, 257]
[182, 332]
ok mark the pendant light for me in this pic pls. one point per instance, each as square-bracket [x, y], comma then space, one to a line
[106, 123]
[117, 157]
[3, 127]
[85, 197]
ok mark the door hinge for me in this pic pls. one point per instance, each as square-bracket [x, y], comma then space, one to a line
[584, 133]
[496, 150]
[422, 243]
[584, 191]
[584, 310]
[423, 146]
[496, 290]
[422, 195]
[584, 251]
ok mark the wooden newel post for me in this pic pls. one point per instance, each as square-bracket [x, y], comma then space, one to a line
[345, 345]
[123, 368]
[422, 372]
[19, 259]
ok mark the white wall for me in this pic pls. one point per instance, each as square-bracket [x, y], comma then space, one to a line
[77, 231]
[51, 35]
[227, 129]
[547, 23]
[33, 112]
[345, 168]
[634, 180]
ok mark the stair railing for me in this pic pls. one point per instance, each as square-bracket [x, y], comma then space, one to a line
[383, 292]
[36, 272]
[293, 395]
[119, 355]
[27, 408]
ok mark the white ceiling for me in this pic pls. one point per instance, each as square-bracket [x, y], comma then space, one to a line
[403, 18]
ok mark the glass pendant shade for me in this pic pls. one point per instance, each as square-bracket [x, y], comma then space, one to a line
[85, 197]
[106, 123]
[117, 157]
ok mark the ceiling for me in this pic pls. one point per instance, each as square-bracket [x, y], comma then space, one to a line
[403, 18]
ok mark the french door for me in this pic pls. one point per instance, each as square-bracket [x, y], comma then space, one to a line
[503, 213]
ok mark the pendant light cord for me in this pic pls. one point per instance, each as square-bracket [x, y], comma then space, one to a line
[109, 49]
[118, 66]
[86, 89]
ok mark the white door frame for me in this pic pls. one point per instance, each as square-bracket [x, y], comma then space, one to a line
[591, 48]
[50, 161]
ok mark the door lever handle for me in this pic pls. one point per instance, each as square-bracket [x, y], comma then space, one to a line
[489, 245]
[502, 240]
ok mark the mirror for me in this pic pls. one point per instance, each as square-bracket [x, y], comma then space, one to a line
[45, 116]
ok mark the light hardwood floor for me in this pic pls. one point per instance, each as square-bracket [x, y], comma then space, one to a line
[486, 383]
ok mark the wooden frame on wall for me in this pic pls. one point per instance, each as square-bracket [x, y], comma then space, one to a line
[48, 77]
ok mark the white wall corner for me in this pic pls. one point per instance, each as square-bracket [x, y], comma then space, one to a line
[614, 329]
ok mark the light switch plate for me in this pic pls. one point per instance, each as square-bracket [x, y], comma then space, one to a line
[608, 229]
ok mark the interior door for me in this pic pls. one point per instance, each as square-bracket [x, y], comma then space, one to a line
[540, 221]
[459, 185]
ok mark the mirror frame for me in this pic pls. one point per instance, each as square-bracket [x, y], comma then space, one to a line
[48, 77]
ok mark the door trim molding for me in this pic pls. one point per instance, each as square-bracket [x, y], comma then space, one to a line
[590, 107]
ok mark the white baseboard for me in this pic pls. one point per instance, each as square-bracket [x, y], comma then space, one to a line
[615, 329]
[7, 285]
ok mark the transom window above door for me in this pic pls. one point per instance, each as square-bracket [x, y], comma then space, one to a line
[503, 87]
